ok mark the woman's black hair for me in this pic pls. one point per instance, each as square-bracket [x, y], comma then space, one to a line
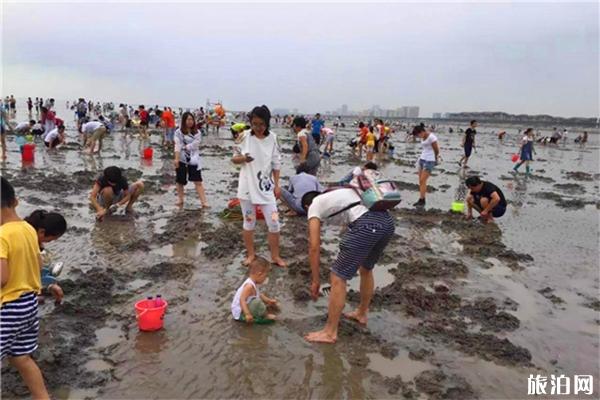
[52, 223]
[8, 194]
[183, 126]
[113, 174]
[308, 198]
[262, 113]
[418, 129]
[371, 165]
[300, 122]
[302, 167]
[528, 130]
[361, 125]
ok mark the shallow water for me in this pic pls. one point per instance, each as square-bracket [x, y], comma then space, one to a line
[202, 353]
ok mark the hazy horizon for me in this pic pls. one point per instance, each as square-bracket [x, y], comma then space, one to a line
[524, 58]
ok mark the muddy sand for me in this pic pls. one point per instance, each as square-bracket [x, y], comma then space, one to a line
[461, 310]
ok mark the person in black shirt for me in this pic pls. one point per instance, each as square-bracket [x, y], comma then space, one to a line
[486, 198]
[111, 190]
[468, 143]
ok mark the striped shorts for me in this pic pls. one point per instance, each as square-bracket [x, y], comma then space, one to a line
[363, 243]
[19, 326]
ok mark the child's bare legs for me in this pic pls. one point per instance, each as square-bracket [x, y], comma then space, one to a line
[3, 143]
[201, 194]
[273, 239]
[367, 286]
[32, 376]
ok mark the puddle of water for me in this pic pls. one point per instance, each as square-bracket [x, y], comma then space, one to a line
[400, 365]
[381, 275]
[108, 336]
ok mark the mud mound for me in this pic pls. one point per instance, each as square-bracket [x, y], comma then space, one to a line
[547, 292]
[486, 346]
[579, 176]
[570, 188]
[484, 311]
[430, 267]
[415, 301]
[438, 385]
[224, 241]
[166, 270]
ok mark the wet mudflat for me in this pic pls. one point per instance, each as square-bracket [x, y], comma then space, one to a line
[461, 310]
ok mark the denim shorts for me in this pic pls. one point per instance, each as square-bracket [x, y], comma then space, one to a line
[426, 165]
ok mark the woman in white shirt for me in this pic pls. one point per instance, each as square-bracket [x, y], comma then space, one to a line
[427, 161]
[187, 158]
[258, 153]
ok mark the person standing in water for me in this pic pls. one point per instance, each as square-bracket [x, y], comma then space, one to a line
[309, 150]
[258, 154]
[468, 143]
[316, 124]
[427, 161]
[187, 158]
[526, 151]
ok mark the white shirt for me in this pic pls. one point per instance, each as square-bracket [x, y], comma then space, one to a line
[428, 154]
[188, 147]
[50, 136]
[301, 134]
[22, 127]
[255, 183]
[331, 202]
[236, 307]
[90, 127]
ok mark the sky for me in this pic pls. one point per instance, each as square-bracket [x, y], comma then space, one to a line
[522, 58]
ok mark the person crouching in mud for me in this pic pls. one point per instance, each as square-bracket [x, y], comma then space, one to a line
[368, 234]
[111, 190]
[486, 198]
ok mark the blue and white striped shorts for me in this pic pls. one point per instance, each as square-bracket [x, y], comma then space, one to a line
[19, 326]
[363, 243]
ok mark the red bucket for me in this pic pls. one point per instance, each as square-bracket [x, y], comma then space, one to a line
[28, 152]
[148, 153]
[150, 317]
[515, 158]
[236, 202]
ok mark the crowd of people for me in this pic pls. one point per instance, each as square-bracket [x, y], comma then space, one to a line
[24, 273]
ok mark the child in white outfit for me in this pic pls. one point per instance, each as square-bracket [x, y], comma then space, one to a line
[249, 305]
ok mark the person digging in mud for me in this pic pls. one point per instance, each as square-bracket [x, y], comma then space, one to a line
[486, 198]
[249, 304]
[187, 158]
[368, 234]
[55, 137]
[300, 184]
[94, 131]
[49, 226]
[429, 158]
[258, 154]
[356, 172]
[20, 264]
[111, 190]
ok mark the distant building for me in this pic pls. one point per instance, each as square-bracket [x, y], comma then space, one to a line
[344, 109]
[436, 115]
[413, 112]
[280, 111]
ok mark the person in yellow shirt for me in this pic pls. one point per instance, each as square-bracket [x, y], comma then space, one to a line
[370, 143]
[20, 264]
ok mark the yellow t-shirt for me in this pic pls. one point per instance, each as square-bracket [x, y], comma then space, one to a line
[371, 139]
[19, 245]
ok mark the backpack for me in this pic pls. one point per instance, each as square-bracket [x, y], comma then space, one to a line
[375, 194]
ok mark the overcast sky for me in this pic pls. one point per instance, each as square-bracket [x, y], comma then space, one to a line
[446, 57]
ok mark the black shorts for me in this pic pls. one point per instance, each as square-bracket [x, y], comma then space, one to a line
[37, 132]
[191, 172]
[497, 211]
[144, 123]
[468, 150]
[54, 143]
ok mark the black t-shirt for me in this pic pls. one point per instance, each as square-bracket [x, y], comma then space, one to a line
[122, 185]
[487, 190]
[470, 136]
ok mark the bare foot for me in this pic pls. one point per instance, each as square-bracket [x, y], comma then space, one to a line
[271, 317]
[248, 260]
[320, 337]
[354, 315]
[179, 203]
[206, 205]
[291, 213]
[130, 211]
[279, 262]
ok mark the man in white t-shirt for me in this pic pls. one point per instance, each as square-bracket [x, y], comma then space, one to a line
[362, 244]
[23, 128]
[94, 131]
